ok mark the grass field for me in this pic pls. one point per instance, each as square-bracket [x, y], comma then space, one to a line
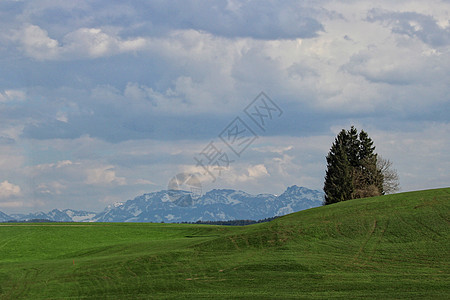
[394, 246]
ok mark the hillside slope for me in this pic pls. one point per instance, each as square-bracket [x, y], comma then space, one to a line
[394, 246]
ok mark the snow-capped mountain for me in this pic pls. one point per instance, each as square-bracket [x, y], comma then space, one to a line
[4, 217]
[79, 215]
[66, 215]
[215, 205]
[178, 206]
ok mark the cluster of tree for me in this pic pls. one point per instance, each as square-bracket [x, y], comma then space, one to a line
[232, 222]
[31, 221]
[354, 170]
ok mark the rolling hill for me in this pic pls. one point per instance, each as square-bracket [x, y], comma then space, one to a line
[394, 246]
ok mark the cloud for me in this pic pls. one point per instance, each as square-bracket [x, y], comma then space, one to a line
[12, 95]
[413, 24]
[52, 178]
[241, 173]
[274, 149]
[8, 190]
[257, 171]
[37, 44]
[64, 164]
[78, 183]
[81, 43]
[232, 21]
[51, 188]
[45, 40]
[104, 176]
[94, 42]
[143, 182]
[256, 19]
[379, 66]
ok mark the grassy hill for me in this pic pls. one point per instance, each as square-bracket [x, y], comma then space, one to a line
[395, 246]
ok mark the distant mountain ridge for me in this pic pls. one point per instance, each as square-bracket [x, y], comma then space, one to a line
[4, 217]
[66, 215]
[178, 206]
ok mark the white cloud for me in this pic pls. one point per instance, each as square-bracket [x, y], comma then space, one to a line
[81, 43]
[63, 163]
[274, 149]
[103, 176]
[404, 65]
[111, 199]
[62, 117]
[51, 188]
[257, 171]
[37, 44]
[94, 42]
[327, 73]
[51, 167]
[144, 182]
[12, 95]
[8, 190]
[242, 173]
[415, 25]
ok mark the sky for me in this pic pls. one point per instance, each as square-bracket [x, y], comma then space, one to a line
[101, 101]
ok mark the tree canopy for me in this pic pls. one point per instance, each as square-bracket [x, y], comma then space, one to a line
[354, 169]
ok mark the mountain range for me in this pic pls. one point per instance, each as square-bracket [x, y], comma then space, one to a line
[179, 206]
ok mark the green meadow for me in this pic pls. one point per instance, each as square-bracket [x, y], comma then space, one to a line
[388, 247]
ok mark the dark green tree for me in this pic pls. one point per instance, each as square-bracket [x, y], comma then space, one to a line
[338, 179]
[365, 147]
[353, 170]
[367, 178]
[353, 146]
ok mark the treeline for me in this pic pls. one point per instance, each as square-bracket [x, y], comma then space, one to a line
[232, 222]
[31, 221]
[229, 222]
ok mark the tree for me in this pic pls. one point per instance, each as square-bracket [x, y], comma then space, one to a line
[338, 179]
[390, 177]
[354, 170]
[353, 145]
[368, 179]
[366, 148]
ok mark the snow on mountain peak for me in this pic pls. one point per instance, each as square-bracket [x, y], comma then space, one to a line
[174, 205]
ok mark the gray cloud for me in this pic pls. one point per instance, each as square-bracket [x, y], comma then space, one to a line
[256, 19]
[399, 65]
[413, 24]
[264, 20]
